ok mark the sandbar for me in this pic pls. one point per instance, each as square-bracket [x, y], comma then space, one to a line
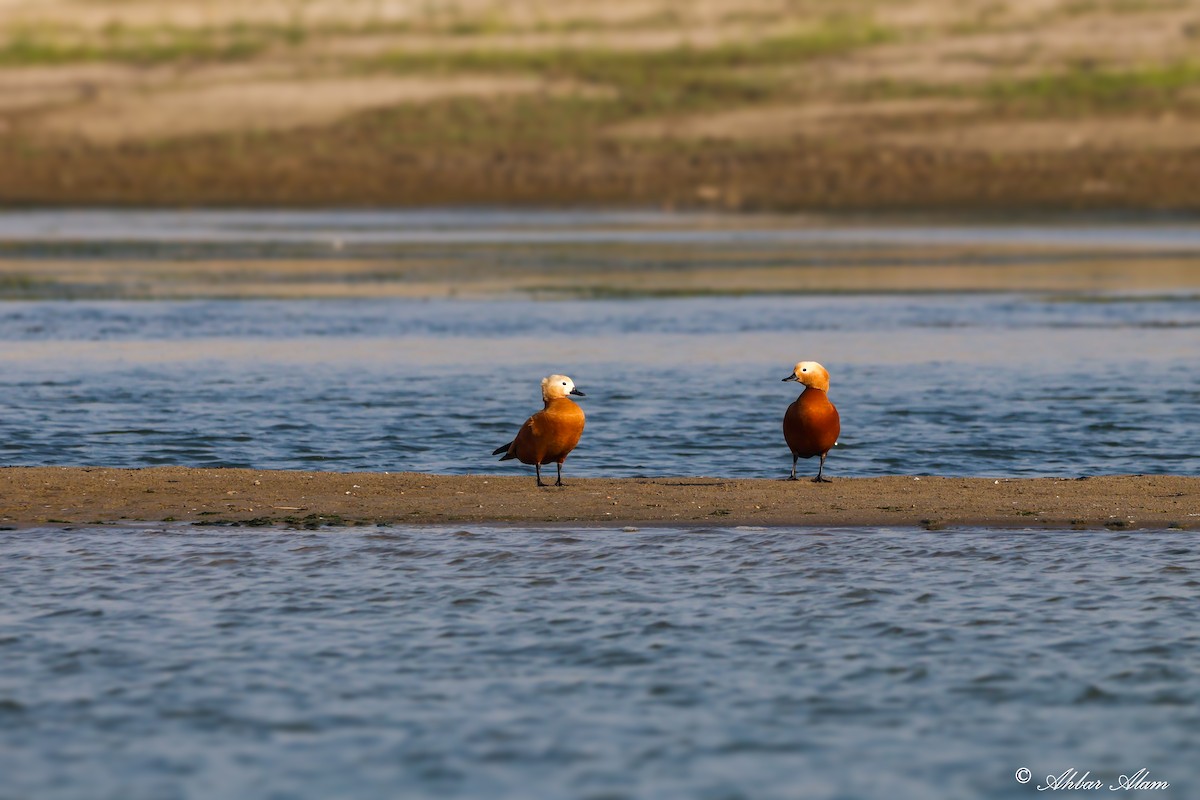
[38, 496]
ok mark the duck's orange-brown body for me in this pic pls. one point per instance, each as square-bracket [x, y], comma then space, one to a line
[549, 435]
[552, 433]
[811, 425]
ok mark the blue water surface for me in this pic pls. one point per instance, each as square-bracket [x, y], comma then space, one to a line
[1015, 384]
[167, 661]
[928, 384]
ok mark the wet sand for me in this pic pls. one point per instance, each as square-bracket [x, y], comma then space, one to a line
[89, 495]
[657, 271]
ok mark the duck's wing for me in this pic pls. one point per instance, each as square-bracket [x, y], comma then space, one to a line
[524, 438]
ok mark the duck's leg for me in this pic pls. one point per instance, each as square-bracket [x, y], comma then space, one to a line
[821, 469]
[538, 467]
[795, 458]
[559, 481]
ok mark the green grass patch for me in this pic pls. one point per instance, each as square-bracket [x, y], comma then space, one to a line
[50, 45]
[1086, 7]
[1082, 89]
[682, 78]
[619, 66]
[1089, 89]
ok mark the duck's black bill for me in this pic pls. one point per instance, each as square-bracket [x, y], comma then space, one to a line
[790, 378]
[576, 391]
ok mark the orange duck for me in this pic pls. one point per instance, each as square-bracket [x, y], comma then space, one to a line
[811, 424]
[550, 434]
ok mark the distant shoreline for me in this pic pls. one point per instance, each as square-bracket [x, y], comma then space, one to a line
[631, 269]
[32, 496]
[276, 170]
[924, 105]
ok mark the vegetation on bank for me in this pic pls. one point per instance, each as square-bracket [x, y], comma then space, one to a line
[571, 140]
[46, 45]
[33, 44]
[1068, 91]
[635, 82]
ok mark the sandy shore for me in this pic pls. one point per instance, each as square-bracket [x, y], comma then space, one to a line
[906, 105]
[656, 272]
[88, 495]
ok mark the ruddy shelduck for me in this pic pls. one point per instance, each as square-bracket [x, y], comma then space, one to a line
[811, 425]
[550, 434]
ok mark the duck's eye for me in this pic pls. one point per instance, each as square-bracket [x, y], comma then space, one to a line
[804, 370]
[564, 383]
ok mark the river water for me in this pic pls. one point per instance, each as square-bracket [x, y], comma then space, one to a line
[960, 385]
[1017, 383]
[167, 661]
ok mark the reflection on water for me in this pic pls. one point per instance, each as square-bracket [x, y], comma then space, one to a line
[1015, 383]
[933, 384]
[487, 226]
[163, 662]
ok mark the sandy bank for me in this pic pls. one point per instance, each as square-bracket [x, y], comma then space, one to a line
[622, 270]
[727, 104]
[38, 495]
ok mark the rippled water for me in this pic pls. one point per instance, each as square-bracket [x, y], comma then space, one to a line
[926, 384]
[171, 662]
[968, 384]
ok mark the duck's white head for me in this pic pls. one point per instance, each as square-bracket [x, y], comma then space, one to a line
[810, 373]
[556, 386]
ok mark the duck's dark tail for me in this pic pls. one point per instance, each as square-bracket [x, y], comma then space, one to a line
[503, 449]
